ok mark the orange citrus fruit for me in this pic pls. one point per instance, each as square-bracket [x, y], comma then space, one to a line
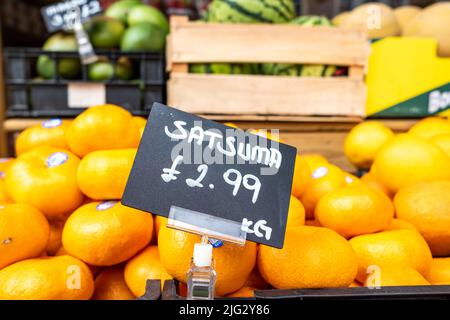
[244, 292]
[407, 159]
[233, 263]
[395, 275]
[103, 174]
[398, 247]
[351, 179]
[430, 127]
[4, 164]
[354, 210]
[45, 178]
[48, 278]
[101, 128]
[24, 233]
[312, 223]
[324, 179]
[371, 180]
[440, 271]
[311, 257]
[106, 233]
[443, 142]
[426, 205]
[140, 123]
[54, 241]
[296, 213]
[301, 177]
[255, 280]
[314, 160]
[146, 265]
[399, 224]
[110, 285]
[50, 133]
[94, 269]
[364, 141]
[159, 222]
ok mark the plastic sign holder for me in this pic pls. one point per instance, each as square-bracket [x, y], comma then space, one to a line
[201, 276]
[206, 225]
[85, 48]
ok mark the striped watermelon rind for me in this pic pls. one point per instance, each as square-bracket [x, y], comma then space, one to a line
[251, 11]
[302, 70]
[224, 68]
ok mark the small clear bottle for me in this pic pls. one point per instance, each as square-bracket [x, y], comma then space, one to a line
[201, 277]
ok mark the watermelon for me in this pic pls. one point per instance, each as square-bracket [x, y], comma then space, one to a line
[223, 68]
[250, 11]
[312, 21]
[302, 70]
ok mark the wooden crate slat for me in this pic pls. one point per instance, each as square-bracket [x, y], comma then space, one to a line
[268, 95]
[208, 42]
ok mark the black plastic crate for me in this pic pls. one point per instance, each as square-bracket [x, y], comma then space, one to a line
[29, 96]
[441, 292]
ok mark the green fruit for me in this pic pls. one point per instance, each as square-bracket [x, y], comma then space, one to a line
[143, 37]
[45, 67]
[222, 68]
[124, 69]
[302, 70]
[119, 10]
[144, 13]
[100, 71]
[251, 11]
[312, 21]
[68, 68]
[105, 32]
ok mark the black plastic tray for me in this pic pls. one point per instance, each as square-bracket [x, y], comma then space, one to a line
[355, 293]
[27, 96]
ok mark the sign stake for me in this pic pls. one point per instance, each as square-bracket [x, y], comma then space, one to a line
[85, 48]
[201, 276]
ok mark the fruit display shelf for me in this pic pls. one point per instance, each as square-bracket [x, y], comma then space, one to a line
[28, 95]
[256, 95]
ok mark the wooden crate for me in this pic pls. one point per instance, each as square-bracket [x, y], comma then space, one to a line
[254, 95]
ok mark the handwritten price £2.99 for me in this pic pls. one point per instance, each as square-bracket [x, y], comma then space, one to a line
[249, 181]
[259, 228]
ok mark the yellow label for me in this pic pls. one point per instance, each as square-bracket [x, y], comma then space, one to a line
[401, 68]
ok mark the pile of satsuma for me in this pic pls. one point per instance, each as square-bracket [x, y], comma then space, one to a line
[65, 235]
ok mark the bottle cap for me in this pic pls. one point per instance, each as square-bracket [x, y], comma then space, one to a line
[202, 254]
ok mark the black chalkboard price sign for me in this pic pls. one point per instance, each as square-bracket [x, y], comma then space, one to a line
[61, 15]
[186, 161]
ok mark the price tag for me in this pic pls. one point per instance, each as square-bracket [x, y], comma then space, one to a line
[186, 161]
[83, 95]
[60, 16]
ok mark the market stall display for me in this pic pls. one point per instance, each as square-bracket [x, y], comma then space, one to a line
[412, 245]
[89, 192]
